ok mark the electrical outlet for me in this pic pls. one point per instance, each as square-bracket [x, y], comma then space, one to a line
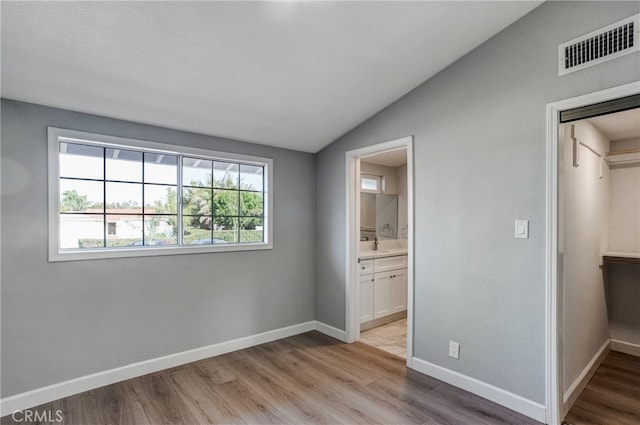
[454, 350]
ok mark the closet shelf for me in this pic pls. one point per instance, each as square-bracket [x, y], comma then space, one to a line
[612, 257]
[629, 156]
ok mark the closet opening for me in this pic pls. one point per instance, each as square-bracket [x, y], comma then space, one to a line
[599, 262]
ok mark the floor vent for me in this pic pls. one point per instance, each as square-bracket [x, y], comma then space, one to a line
[602, 45]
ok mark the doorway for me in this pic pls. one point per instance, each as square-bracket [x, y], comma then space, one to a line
[580, 172]
[379, 281]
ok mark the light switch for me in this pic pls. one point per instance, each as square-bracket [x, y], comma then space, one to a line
[522, 229]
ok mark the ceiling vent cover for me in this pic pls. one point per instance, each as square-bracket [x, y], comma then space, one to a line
[610, 42]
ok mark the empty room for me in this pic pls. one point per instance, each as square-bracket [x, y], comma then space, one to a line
[320, 212]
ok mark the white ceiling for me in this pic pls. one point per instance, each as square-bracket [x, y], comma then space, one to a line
[618, 126]
[289, 74]
[393, 158]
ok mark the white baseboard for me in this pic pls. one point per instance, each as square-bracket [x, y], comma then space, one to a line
[497, 395]
[625, 347]
[572, 393]
[53, 392]
[336, 333]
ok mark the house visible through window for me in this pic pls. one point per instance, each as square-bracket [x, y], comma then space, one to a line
[121, 197]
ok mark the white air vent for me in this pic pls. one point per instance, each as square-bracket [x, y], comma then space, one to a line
[599, 46]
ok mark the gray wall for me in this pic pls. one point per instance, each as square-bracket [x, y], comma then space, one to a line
[64, 320]
[479, 133]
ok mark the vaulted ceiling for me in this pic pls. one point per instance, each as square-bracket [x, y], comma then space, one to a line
[290, 74]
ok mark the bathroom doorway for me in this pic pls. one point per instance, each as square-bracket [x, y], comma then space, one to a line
[380, 246]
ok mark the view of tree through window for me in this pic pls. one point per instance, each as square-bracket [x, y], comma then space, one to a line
[110, 197]
[222, 202]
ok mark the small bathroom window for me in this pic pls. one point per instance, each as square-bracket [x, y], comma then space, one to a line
[370, 183]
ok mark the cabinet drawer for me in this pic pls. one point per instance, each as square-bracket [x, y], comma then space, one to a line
[365, 267]
[389, 263]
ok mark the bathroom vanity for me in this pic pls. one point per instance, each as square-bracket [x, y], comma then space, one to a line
[383, 285]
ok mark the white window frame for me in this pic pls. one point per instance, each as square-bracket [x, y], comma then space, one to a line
[58, 135]
[375, 177]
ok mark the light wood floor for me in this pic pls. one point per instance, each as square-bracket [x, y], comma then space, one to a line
[612, 396]
[305, 379]
[391, 337]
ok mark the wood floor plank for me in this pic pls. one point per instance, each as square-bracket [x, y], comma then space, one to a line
[119, 404]
[379, 362]
[479, 410]
[323, 368]
[612, 396]
[213, 370]
[298, 373]
[304, 379]
[383, 361]
[275, 347]
[249, 405]
[351, 406]
[266, 384]
[346, 386]
[160, 400]
[408, 395]
[206, 406]
[285, 367]
[319, 365]
[81, 408]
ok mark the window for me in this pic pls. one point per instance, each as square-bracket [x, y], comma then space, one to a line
[115, 197]
[370, 183]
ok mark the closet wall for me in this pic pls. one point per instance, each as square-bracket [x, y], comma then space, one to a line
[623, 281]
[625, 201]
[583, 235]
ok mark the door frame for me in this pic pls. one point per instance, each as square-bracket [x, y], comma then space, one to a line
[553, 345]
[353, 236]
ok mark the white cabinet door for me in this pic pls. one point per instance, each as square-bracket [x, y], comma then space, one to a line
[381, 295]
[399, 290]
[366, 298]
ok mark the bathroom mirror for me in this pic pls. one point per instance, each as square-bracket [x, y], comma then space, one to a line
[378, 216]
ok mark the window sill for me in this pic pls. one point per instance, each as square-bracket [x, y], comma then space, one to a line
[151, 251]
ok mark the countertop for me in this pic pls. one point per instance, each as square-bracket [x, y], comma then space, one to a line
[381, 253]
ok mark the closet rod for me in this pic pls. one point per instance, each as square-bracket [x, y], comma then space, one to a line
[623, 152]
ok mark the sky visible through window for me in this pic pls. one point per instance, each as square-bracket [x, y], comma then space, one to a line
[92, 167]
